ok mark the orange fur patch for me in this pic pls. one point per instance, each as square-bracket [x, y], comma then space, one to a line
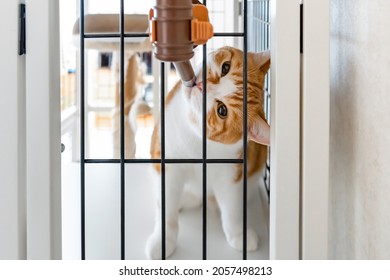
[155, 148]
[172, 93]
[133, 78]
[256, 158]
[229, 130]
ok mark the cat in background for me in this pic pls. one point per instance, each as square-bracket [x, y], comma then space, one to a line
[183, 136]
[133, 105]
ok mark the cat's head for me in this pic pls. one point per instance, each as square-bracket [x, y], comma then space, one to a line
[225, 96]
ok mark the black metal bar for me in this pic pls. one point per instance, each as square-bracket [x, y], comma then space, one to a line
[82, 129]
[122, 128]
[204, 155]
[301, 28]
[167, 161]
[245, 133]
[136, 35]
[102, 35]
[204, 151]
[115, 35]
[97, 161]
[145, 35]
[22, 29]
[162, 142]
[227, 161]
[228, 34]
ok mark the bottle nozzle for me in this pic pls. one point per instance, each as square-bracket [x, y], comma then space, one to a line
[176, 26]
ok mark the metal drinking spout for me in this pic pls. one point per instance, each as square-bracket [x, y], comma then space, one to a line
[176, 27]
[186, 73]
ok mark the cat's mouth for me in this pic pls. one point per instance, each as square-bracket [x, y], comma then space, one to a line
[196, 89]
[199, 85]
[194, 96]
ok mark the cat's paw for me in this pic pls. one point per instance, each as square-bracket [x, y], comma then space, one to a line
[154, 247]
[252, 241]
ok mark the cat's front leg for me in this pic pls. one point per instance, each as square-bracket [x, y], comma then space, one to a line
[229, 197]
[173, 191]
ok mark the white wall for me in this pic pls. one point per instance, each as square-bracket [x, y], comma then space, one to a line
[359, 129]
[12, 135]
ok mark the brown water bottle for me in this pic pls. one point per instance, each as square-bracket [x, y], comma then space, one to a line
[176, 27]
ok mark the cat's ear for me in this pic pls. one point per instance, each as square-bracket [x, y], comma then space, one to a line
[263, 60]
[259, 131]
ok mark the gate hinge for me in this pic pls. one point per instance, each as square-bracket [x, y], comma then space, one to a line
[301, 29]
[22, 29]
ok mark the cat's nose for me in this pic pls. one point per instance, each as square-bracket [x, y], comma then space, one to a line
[199, 85]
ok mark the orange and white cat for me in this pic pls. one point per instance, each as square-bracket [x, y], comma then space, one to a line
[183, 136]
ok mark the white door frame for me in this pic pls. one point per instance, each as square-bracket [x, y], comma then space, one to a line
[43, 130]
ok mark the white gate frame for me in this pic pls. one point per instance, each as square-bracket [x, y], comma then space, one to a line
[299, 130]
[30, 192]
[315, 129]
[299, 134]
[12, 140]
[43, 114]
[285, 129]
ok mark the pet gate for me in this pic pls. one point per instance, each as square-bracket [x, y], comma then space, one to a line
[299, 132]
[255, 21]
[299, 119]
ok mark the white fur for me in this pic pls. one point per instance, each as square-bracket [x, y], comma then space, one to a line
[183, 182]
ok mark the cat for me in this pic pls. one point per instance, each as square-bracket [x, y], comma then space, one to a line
[183, 136]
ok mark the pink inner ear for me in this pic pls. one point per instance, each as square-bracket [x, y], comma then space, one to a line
[259, 132]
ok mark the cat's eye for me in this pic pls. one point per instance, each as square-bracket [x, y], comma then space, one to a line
[222, 110]
[225, 68]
